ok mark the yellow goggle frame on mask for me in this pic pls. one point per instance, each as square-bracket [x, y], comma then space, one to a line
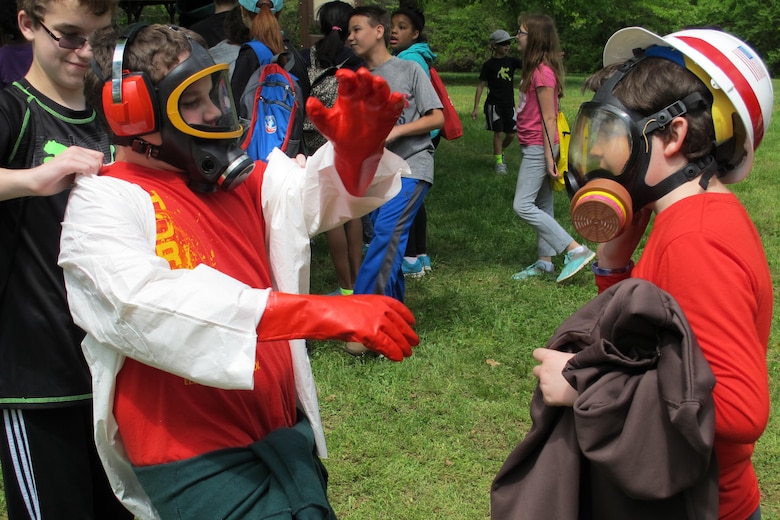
[174, 113]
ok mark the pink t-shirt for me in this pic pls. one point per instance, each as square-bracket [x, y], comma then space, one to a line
[529, 119]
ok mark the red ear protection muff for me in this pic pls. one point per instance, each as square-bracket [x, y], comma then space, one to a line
[129, 100]
[600, 210]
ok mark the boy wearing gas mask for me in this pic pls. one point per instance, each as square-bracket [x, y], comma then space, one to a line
[170, 257]
[674, 120]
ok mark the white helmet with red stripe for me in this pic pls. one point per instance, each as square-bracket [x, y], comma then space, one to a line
[733, 72]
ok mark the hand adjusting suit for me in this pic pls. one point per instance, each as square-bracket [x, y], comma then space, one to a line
[364, 113]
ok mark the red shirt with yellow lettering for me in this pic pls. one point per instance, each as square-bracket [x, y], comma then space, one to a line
[163, 417]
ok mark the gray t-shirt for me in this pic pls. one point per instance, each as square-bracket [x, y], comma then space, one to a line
[225, 52]
[408, 78]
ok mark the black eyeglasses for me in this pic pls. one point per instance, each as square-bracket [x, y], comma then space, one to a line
[521, 32]
[508, 42]
[68, 41]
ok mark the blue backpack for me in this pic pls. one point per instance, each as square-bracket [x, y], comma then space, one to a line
[272, 103]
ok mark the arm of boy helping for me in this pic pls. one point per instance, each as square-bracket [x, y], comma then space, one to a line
[357, 125]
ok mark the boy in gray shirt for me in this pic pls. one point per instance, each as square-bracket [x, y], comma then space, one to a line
[380, 272]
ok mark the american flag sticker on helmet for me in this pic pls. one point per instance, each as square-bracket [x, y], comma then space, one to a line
[749, 59]
[741, 82]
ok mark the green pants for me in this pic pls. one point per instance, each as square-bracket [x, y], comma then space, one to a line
[279, 477]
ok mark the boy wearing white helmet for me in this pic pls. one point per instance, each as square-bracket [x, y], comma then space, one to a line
[674, 120]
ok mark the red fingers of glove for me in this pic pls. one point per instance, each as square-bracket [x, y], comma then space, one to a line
[365, 110]
[357, 125]
[381, 323]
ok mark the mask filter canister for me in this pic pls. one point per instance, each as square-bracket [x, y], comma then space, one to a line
[601, 210]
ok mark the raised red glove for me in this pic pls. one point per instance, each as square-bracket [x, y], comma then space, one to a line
[379, 322]
[358, 124]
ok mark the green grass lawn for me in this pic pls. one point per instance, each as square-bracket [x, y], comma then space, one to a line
[423, 439]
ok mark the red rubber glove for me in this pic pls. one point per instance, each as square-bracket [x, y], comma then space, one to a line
[358, 124]
[379, 322]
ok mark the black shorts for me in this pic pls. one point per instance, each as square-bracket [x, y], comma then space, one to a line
[500, 118]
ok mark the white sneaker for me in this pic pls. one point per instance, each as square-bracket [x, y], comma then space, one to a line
[501, 169]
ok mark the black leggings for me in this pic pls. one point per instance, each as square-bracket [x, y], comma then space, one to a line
[418, 234]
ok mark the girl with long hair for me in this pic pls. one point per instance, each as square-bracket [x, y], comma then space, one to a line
[260, 17]
[541, 86]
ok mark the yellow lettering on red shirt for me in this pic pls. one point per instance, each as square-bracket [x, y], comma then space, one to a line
[167, 247]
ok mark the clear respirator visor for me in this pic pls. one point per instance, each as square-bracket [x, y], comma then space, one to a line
[202, 105]
[601, 143]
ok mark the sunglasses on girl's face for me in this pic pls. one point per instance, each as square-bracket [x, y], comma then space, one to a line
[69, 42]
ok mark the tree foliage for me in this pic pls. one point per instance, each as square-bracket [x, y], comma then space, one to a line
[458, 29]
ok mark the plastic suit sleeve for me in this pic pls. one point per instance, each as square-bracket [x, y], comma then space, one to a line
[133, 303]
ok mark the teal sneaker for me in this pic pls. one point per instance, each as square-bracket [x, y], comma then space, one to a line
[413, 269]
[425, 260]
[535, 269]
[574, 262]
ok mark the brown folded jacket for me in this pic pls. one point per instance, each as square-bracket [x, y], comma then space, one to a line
[638, 442]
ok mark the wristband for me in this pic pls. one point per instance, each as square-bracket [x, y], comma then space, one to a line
[603, 271]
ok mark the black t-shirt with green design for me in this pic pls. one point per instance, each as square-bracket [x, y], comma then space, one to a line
[499, 75]
[41, 364]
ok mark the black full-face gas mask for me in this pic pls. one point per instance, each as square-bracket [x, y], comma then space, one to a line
[193, 110]
[609, 155]
[207, 149]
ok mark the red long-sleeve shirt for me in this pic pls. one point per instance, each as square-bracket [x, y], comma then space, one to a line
[705, 251]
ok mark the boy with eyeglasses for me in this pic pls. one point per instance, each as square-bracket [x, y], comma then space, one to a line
[47, 134]
[498, 74]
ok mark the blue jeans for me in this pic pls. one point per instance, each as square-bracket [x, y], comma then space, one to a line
[534, 202]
